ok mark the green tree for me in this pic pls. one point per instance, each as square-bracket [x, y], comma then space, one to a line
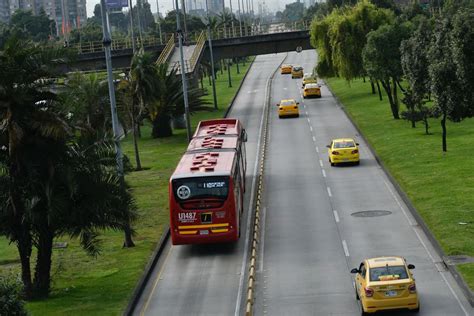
[446, 85]
[415, 62]
[10, 297]
[39, 27]
[381, 57]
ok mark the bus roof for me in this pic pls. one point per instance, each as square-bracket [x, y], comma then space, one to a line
[213, 142]
[204, 164]
[223, 126]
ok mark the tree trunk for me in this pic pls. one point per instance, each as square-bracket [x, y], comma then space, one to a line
[372, 85]
[237, 64]
[379, 90]
[128, 242]
[395, 96]
[24, 249]
[135, 138]
[162, 126]
[443, 126]
[425, 120]
[42, 281]
[388, 90]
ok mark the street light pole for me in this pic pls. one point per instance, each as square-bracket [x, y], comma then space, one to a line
[159, 22]
[132, 32]
[232, 18]
[107, 41]
[183, 73]
[240, 18]
[213, 75]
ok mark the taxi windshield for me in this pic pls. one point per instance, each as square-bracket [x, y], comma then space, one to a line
[392, 272]
[345, 144]
[288, 102]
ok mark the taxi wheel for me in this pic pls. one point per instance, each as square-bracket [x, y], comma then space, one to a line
[357, 162]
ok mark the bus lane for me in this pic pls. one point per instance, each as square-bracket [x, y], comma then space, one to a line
[207, 279]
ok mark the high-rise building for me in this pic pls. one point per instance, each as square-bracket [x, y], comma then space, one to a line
[4, 11]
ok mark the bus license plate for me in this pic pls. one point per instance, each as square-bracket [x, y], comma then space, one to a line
[204, 232]
[391, 293]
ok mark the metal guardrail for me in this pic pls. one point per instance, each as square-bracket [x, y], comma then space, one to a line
[165, 54]
[118, 44]
[219, 33]
[201, 41]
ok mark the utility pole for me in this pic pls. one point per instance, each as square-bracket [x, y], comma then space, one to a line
[132, 32]
[183, 73]
[240, 18]
[159, 21]
[213, 75]
[232, 18]
[184, 19]
[107, 41]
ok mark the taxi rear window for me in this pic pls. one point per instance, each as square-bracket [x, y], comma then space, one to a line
[398, 272]
[347, 144]
[287, 103]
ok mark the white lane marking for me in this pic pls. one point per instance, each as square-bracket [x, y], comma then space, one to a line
[311, 128]
[336, 216]
[262, 238]
[314, 139]
[346, 250]
[425, 247]
[321, 163]
[158, 277]
[252, 197]
[329, 191]
[324, 173]
[317, 149]
[309, 121]
[306, 112]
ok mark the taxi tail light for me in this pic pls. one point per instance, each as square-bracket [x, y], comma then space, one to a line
[368, 292]
[335, 152]
[412, 288]
[355, 151]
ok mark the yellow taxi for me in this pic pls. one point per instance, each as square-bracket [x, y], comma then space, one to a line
[311, 90]
[309, 78]
[285, 69]
[343, 150]
[385, 283]
[287, 108]
[297, 72]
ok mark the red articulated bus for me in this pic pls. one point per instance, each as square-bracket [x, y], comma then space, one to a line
[207, 188]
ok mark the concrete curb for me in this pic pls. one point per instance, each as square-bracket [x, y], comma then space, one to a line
[148, 270]
[451, 268]
[256, 217]
[229, 107]
[141, 285]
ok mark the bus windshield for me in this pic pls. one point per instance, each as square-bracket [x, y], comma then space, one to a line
[200, 187]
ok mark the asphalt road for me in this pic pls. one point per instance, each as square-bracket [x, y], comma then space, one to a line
[311, 238]
[210, 279]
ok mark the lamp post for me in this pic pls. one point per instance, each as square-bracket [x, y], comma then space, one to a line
[213, 75]
[132, 32]
[240, 18]
[183, 73]
[159, 22]
[107, 41]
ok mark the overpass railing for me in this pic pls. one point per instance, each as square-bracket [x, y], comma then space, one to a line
[165, 54]
[217, 33]
[201, 41]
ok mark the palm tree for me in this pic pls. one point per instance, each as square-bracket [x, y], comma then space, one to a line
[169, 101]
[52, 181]
[24, 100]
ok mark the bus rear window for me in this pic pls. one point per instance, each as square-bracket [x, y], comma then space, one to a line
[196, 188]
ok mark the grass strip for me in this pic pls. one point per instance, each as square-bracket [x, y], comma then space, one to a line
[83, 285]
[440, 185]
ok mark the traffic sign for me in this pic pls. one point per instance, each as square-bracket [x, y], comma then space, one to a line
[116, 3]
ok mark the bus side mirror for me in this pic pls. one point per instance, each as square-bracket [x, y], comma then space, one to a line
[244, 135]
[355, 270]
[411, 266]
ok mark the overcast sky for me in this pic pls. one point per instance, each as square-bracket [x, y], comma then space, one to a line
[167, 5]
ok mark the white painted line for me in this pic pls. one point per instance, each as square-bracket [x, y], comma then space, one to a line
[321, 163]
[251, 202]
[262, 238]
[336, 216]
[311, 128]
[329, 191]
[309, 121]
[346, 250]
[306, 112]
[426, 248]
[314, 139]
[317, 149]
[324, 173]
